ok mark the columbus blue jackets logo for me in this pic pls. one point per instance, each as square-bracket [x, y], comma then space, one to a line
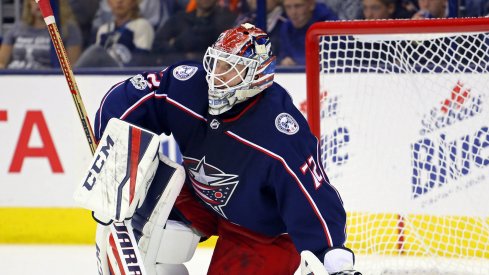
[184, 72]
[286, 124]
[211, 185]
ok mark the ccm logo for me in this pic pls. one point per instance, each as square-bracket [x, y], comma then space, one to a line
[99, 163]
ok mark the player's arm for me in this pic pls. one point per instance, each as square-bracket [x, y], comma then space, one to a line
[315, 218]
[5, 55]
[310, 206]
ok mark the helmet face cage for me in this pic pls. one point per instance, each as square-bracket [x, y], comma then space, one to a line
[240, 68]
[239, 65]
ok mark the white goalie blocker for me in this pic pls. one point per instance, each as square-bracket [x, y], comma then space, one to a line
[129, 180]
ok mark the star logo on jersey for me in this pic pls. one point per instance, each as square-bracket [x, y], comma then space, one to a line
[213, 186]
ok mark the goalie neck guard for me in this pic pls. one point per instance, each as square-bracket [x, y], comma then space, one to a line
[239, 65]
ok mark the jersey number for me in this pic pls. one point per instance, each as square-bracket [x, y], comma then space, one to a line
[153, 81]
[310, 165]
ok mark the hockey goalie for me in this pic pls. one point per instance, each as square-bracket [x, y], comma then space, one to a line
[251, 167]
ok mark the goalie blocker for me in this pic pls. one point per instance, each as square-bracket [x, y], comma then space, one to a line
[129, 179]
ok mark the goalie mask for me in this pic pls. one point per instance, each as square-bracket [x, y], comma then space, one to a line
[239, 65]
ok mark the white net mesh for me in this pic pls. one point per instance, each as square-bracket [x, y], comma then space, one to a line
[405, 139]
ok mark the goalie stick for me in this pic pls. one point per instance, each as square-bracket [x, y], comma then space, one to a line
[49, 19]
[47, 13]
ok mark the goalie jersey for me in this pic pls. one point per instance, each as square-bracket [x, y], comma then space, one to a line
[257, 165]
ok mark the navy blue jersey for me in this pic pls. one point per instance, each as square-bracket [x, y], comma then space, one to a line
[256, 165]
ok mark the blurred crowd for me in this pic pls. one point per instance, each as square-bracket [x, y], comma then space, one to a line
[124, 33]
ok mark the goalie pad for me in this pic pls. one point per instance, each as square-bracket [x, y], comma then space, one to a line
[127, 166]
[164, 245]
[166, 249]
[116, 251]
[122, 168]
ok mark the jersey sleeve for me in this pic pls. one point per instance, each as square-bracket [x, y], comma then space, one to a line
[139, 100]
[310, 206]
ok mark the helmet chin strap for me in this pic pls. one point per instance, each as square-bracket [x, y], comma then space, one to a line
[238, 97]
[218, 111]
[242, 95]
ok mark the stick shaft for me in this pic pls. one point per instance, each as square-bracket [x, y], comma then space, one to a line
[67, 71]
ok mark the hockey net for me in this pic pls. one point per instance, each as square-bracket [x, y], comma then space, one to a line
[401, 108]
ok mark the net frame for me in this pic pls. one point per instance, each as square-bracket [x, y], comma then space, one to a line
[377, 27]
[451, 25]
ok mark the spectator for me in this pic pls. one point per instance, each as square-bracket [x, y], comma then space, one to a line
[122, 42]
[410, 5]
[432, 9]
[475, 8]
[423, 4]
[151, 10]
[345, 9]
[170, 7]
[275, 18]
[186, 35]
[383, 9]
[27, 44]
[302, 14]
[85, 13]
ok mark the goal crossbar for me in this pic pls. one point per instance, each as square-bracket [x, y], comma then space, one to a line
[356, 27]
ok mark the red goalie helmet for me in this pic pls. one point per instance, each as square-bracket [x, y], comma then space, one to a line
[239, 65]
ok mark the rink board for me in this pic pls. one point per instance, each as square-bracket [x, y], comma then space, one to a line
[76, 226]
